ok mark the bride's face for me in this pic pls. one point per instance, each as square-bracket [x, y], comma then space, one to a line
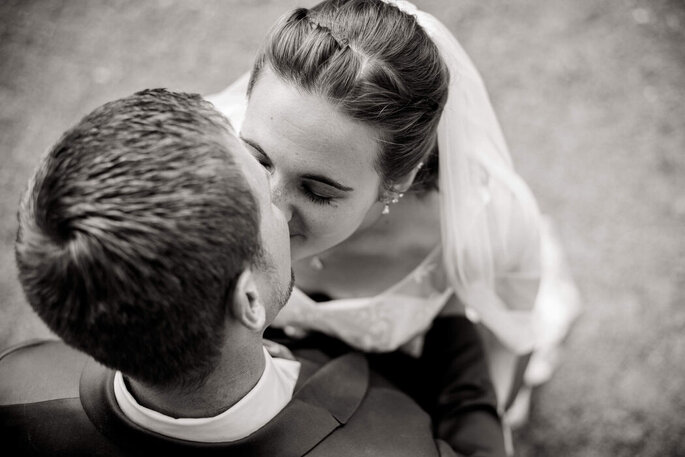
[321, 162]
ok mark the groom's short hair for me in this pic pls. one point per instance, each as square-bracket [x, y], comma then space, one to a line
[133, 232]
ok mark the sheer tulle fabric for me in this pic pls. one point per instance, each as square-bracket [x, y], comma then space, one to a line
[473, 158]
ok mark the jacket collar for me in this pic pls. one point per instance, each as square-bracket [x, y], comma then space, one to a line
[324, 399]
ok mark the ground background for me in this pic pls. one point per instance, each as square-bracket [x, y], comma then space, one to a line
[590, 93]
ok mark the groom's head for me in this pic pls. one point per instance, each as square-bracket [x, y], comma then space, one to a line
[147, 236]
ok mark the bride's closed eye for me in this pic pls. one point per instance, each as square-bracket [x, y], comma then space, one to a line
[317, 188]
[321, 194]
[263, 161]
[258, 154]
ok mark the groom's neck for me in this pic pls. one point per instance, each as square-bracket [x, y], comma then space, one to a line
[238, 371]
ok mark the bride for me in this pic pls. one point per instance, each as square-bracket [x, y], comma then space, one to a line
[388, 161]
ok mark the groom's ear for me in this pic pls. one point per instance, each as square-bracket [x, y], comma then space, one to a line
[246, 305]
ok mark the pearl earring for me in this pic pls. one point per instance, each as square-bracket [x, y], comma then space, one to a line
[395, 199]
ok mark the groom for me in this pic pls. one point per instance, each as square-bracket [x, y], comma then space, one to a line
[148, 242]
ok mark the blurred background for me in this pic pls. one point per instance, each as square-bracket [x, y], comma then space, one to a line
[590, 94]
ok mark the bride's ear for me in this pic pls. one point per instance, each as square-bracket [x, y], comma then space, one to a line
[246, 305]
[403, 184]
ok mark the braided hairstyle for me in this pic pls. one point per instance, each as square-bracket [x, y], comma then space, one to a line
[374, 63]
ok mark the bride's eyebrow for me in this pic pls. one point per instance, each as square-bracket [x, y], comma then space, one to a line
[320, 178]
[328, 181]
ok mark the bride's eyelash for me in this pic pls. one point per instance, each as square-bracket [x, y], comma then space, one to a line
[264, 163]
[318, 199]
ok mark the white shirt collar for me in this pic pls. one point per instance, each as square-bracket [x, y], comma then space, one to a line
[266, 399]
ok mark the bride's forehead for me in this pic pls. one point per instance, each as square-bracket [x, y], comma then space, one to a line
[302, 122]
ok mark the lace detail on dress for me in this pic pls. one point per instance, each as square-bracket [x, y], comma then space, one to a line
[376, 324]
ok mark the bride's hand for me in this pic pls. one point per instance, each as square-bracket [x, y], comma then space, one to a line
[277, 350]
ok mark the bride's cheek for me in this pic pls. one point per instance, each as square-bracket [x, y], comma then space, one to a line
[323, 224]
[327, 226]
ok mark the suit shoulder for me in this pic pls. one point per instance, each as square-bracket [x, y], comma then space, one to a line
[386, 422]
[40, 371]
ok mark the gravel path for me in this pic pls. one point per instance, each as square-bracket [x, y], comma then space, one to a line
[591, 95]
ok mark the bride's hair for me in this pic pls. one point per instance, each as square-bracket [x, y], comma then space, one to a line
[377, 65]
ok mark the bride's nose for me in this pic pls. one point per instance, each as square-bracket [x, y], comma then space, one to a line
[280, 196]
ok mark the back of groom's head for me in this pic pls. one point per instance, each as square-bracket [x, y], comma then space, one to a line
[133, 232]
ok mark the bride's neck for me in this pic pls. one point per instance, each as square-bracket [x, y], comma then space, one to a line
[413, 218]
[411, 210]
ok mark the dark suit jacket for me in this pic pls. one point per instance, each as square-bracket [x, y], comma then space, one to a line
[450, 381]
[57, 401]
